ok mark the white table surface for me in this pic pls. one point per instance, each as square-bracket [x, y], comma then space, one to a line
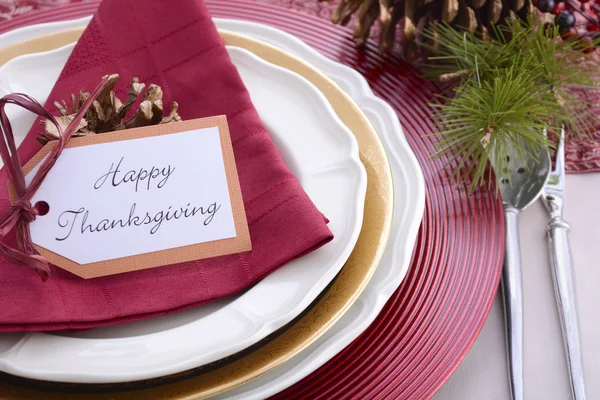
[482, 375]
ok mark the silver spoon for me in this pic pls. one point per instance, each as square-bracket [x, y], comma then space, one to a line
[527, 179]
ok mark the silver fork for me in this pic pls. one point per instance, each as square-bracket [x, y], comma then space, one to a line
[553, 197]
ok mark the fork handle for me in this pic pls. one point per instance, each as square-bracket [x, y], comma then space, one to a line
[512, 288]
[560, 259]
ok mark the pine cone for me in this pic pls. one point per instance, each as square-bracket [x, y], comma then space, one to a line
[413, 16]
[108, 113]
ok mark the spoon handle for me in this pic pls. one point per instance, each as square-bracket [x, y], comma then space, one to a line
[512, 288]
[562, 273]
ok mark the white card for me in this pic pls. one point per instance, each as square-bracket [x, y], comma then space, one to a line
[124, 198]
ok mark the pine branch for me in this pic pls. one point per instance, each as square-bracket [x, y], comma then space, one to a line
[509, 90]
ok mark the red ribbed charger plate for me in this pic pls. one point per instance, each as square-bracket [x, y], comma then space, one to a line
[431, 321]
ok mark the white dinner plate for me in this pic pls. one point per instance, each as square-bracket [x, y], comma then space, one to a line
[319, 150]
[409, 201]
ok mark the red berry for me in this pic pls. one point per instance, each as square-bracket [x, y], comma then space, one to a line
[583, 1]
[592, 28]
[549, 29]
[568, 34]
[558, 8]
[583, 43]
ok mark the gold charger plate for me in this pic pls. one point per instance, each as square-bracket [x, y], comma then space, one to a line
[334, 302]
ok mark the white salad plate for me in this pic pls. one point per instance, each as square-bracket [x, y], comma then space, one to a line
[321, 152]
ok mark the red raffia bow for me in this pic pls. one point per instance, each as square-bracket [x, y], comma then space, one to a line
[22, 212]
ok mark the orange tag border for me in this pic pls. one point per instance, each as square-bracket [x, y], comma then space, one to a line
[240, 243]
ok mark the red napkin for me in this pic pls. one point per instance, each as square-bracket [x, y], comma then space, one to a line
[177, 47]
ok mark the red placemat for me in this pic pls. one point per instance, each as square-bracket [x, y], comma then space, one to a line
[431, 321]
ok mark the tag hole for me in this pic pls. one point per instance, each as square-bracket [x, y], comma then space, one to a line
[42, 207]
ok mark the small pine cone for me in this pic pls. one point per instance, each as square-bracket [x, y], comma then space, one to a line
[108, 113]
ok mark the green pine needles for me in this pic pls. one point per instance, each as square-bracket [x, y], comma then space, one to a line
[511, 89]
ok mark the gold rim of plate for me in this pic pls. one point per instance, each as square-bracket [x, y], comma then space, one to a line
[335, 301]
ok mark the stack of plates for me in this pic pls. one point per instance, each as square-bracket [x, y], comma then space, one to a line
[323, 134]
[325, 317]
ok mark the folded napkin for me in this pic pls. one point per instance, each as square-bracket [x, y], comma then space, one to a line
[178, 48]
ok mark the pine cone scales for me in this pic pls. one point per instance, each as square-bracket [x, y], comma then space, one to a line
[412, 16]
[108, 112]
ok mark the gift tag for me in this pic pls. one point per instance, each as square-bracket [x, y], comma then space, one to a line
[140, 198]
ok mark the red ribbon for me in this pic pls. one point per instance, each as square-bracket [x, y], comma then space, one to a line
[22, 212]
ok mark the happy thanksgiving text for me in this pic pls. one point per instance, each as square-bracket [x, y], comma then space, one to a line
[142, 179]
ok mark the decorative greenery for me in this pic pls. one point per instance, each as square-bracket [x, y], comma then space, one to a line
[510, 90]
